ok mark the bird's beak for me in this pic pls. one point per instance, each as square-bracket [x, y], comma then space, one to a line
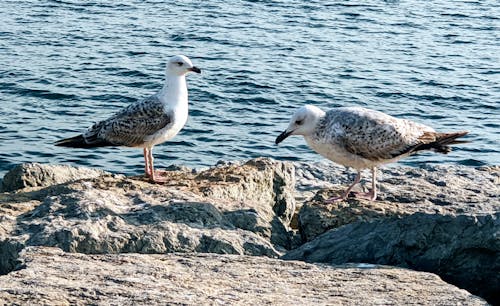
[195, 69]
[282, 136]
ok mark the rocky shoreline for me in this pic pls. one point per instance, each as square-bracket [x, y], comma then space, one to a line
[241, 233]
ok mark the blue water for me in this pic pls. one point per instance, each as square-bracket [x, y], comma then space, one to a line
[66, 64]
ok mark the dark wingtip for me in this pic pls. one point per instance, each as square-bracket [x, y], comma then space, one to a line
[450, 138]
[69, 142]
[79, 142]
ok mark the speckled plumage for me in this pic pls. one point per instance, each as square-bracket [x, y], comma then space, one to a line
[133, 126]
[361, 138]
[146, 123]
[370, 137]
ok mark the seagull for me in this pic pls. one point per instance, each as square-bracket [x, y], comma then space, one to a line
[362, 138]
[146, 123]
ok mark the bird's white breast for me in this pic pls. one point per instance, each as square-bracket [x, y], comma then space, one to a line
[339, 155]
[179, 118]
[174, 97]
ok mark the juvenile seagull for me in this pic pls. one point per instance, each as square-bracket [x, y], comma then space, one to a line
[146, 123]
[364, 139]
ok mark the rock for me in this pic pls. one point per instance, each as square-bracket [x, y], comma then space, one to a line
[465, 189]
[446, 190]
[464, 250]
[249, 208]
[9, 254]
[234, 209]
[315, 217]
[52, 277]
[11, 207]
[271, 181]
[38, 175]
[441, 191]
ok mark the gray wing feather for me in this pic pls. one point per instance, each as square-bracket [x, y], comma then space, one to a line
[372, 134]
[132, 125]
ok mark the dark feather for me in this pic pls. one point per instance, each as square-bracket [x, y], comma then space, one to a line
[129, 127]
[79, 142]
[437, 142]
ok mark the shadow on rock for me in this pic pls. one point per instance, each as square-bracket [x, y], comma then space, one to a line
[9, 254]
[463, 250]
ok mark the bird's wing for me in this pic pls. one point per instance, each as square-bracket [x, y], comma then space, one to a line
[377, 136]
[132, 125]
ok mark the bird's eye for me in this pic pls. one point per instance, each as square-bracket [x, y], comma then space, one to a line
[298, 122]
[179, 64]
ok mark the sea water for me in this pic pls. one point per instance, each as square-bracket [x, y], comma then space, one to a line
[66, 64]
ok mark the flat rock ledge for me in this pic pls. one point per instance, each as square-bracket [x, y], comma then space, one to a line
[438, 219]
[39, 175]
[52, 277]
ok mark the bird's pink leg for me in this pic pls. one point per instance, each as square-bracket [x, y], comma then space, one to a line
[146, 162]
[151, 166]
[154, 175]
[346, 192]
[372, 194]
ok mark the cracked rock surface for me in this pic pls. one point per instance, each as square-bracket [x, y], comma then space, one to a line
[438, 219]
[53, 277]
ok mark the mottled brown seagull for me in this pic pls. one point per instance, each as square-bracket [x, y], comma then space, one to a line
[361, 138]
[146, 123]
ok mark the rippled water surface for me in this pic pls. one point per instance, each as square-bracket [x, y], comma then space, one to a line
[66, 64]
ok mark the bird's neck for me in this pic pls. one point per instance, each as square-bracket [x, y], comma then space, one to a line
[174, 92]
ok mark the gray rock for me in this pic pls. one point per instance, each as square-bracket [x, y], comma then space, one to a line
[260, 194]
[449, 188]
[270, 182]
[52, 277]
[250, 209]
[99, 221]
[431, 190]
[445, 190]
[38, 175]
[229, 210]
[9, 254]
[464, 250]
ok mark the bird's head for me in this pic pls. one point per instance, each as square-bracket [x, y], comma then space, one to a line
[181, 65]
[303, 122]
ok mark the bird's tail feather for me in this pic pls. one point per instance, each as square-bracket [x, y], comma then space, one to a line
[444, 140]
[79, 142]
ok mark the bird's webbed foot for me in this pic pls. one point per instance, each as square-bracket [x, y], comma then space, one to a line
[159, 176]
[371, 195]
